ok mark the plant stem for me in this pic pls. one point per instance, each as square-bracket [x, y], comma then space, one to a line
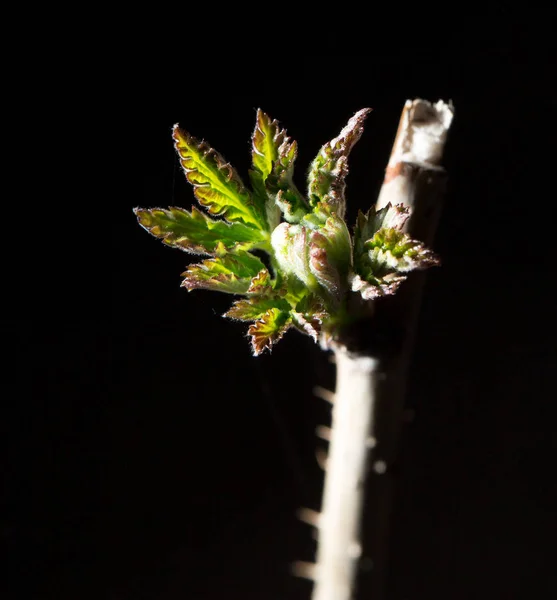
[339, 526]
[372, 362]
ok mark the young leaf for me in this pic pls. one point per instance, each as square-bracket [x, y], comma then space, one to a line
[268, 330]
[291, 207]
[309, 315]
[255, 307]
[326, 180]
[368, 224]
[195, 232]
[265, 142]
[273, 156]
[231, 273]
[394, 250]
[261, 284]
[216, 184]
[291, 246]
[281, 184]
[390, 254]
[330, 255]
[374, 287]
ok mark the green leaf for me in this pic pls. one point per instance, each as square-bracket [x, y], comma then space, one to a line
[309, 316]
[389, 255]
[195, 232]
[216, 184]
[368, 224]
[292, 206]
[317, 257]
[265, 142]
[393, 249]
[291, 246]
[273, 156]
[326, 179]
[374, 286]
[268, 330]
[261, 283]
[330, 255]
[255, 307]
[281, 186]
[231, 273]
[264, 199]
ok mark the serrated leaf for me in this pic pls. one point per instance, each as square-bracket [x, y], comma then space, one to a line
[195, 232]
[265, 142]
[395, 250]
[327, 174]
[261, 283]
[330, 255]
[368, 224]
[281, 183]
[216, 184]
[268, 330]
[231, 273]
[376, 287]
[253, 308]
[291, 246]
[291, 207]
[309, 315]
[389, 255]
[273, 156]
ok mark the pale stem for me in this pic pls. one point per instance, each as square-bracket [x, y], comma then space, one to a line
[369, 397]
[339, 525]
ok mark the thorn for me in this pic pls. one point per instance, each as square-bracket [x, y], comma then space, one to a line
[321, 457]
[304, 569]
[371, 442]
[309, 516]
[380, 467]
[324, 394]
[323, 432]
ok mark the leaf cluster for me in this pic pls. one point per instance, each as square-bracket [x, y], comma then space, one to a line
[314, 262]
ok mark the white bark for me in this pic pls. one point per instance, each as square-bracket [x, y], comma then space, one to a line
[418, 146]
[339, 523]
[366, 413]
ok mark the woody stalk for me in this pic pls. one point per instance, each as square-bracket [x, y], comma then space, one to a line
[356, 291]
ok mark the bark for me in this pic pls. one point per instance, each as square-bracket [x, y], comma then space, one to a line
[372, 362]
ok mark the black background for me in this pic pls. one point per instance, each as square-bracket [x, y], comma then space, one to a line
[149, 455]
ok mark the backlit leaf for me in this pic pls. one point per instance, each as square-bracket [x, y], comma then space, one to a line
[268, 330]
[265, 142]
[195, 232]
[331, 255]
[273, 155]
[250, 309]
[388, 256]
[326, 179]
[231, 273]
[216, 184]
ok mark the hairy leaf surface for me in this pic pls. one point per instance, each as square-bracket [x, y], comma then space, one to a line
[195, 232]
[231, 273]
[273, 157]
[326, 179]
[250, 309]
[216, 184]
[268, 330]
[388, 256]
[330, 255]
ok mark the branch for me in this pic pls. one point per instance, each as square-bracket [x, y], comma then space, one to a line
[372, 362]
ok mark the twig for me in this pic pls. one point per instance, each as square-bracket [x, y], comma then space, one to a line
[372, 362]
